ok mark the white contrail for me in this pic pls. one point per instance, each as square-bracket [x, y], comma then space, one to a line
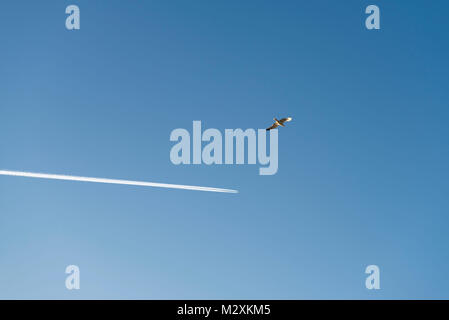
[112, 181]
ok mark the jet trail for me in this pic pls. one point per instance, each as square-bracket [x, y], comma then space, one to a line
[112, 181]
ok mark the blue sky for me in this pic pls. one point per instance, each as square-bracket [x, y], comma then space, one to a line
[363, 168]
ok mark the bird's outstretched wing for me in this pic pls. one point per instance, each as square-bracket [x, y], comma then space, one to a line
[285, 120]
[275, 125]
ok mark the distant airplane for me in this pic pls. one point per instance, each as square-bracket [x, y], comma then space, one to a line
[278, 123]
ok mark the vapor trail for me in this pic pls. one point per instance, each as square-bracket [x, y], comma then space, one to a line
[112, 181]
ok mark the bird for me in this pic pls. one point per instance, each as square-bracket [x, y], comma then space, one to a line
[278, 123]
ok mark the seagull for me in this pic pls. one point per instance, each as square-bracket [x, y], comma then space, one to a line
[278, 123]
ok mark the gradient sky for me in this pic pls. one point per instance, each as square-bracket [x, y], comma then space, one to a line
[363, 167]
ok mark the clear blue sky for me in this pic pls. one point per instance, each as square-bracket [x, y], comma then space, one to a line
[363, 168]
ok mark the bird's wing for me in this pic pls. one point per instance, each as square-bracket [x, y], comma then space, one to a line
[285, 120]
[275, 125]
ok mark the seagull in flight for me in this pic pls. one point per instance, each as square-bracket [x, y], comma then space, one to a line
[278, 123]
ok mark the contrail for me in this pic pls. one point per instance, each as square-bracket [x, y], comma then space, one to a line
[112, 181]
